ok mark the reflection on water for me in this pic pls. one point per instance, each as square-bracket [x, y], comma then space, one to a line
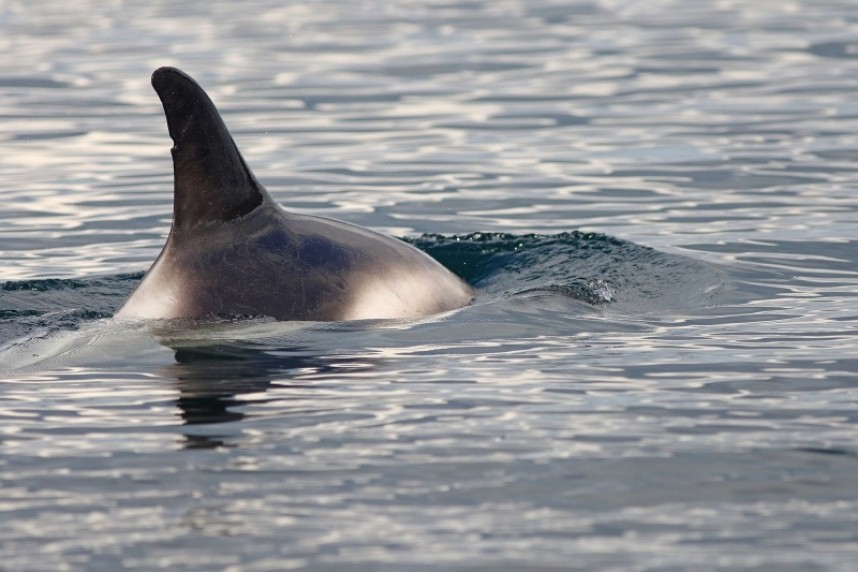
[217, 383]
[209, 380]
[684, 406]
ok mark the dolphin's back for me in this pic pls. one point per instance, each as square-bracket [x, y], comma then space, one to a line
[232, 251]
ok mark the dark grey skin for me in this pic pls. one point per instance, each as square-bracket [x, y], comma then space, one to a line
[233, 252]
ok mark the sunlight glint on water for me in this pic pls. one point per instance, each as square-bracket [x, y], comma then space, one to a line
[601, 406]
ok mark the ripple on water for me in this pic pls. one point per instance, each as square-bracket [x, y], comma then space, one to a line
[657, 200]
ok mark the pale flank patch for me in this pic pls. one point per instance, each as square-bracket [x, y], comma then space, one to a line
[154, 299]
[405, 294]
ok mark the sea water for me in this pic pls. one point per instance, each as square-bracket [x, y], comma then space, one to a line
[656, 201]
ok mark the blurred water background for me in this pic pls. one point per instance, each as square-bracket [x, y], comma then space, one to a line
[656, 199]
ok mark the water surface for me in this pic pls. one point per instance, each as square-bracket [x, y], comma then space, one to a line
[656, 201]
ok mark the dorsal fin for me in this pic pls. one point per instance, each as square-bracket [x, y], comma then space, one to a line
[212, 181]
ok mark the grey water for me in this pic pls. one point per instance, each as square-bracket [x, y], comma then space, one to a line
[656, 200]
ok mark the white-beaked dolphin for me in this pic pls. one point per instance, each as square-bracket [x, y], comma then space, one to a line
[232, 251]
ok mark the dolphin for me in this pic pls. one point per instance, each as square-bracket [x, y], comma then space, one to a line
[233, 252]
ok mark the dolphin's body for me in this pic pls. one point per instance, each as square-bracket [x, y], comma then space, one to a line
[233, 252]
